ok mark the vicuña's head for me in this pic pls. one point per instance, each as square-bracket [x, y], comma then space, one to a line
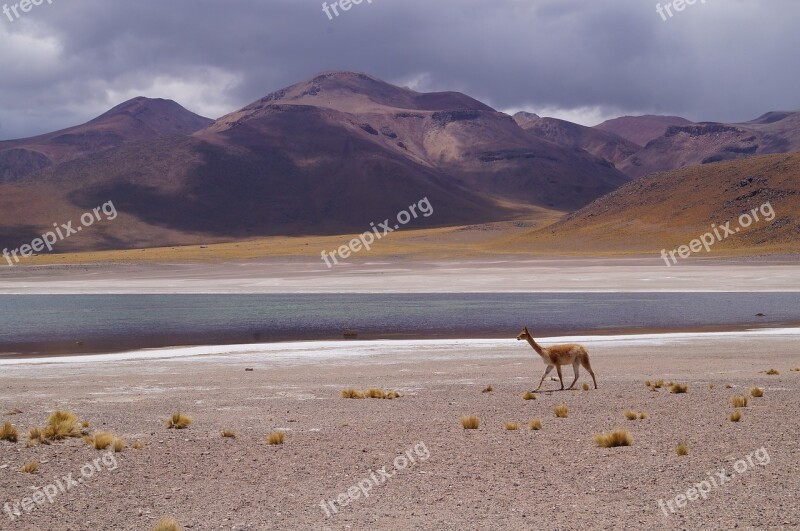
[524, 334]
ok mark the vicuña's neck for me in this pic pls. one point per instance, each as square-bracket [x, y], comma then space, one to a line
[535, 346]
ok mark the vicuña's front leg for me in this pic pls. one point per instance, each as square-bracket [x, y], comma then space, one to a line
[546, 372]
[575, 368]
[560, 378]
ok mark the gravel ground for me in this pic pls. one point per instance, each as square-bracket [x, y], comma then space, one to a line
[489, 478]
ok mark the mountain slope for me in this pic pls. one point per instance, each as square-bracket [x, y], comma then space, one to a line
[134, 120]
[641, 129]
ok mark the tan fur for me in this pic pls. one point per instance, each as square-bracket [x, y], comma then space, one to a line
[558, 355]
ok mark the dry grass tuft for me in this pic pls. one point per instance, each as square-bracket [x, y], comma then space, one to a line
[658, 384]
[618, 437]
[138, 445]
[512, 426]
[85, 424]
[773, 372]
[795, 369]
[471, 422]
[167, 524]
[682, 449]
[529, 395]
[178, 421]
[676, 388]
[229, 434]
[35, 436]
[535, 425]
[561, 411]
[585, 387]
[736, 416]
[756, 392]
[631, 415]
[728, 386]
[61, 425]
[488, 389]
[99, 440]
[711, 386]
[30, 468]
[276, 437]
[351, 393]
[391, 395]
[648, 383]
[739, 401]
[375, 393]
[9, 433]
[643, 415]
[119, 444]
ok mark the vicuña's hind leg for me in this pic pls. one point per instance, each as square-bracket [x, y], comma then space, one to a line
[546, 372]
[585, 363]
[575, 368]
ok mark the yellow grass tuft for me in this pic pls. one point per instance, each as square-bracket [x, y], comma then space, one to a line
[138, 445]
[739, 401]
[99, 440]
[30, 468]
[630, 415]
[648, 383]
[795, 369]
[119, 444]
[9, 433]
[676, 388]
[178, 421]
[351, 393]
[585, 387]
[391, 395]
[35, 435]
[229, 434]
[728, 386]
[643, 415]
[488, 389]
[736, 416]
[711, 386]
[85, 424]
[773, 372]
[618, 437]
[529, 395]
[512, 426]
[167, 524]
[658, 384]
[276, 437]
[375, 393]
[471, 422]
[682, 449]
[561, 411]
[535, 425]
[756, 392]
[61, 425]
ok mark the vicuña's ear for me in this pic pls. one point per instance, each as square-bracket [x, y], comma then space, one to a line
[526, 328]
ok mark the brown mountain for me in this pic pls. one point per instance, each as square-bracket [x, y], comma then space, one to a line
[325, 156]
[704, 143]
[641, 129]
[135, 120]
[599, 143]
[668, 210]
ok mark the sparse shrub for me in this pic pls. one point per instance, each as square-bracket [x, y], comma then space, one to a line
[276, 437]
[167, 524]
[658, 384]
[9, 433]
[648, 383]
[375, 393]
[138, 445]
[35, 436]
[773, 372]
[728, 386]
[100, 440]
[739, 401]
[736, 416]
[630, 415]
[119, 444]
[178, 421]
[682, 449]
[488, 389]
[756, 392]
[30, 468]
[85, 424]
[529, 395]
[585, 387]
[351, 393]
[678, 388]
[229, 434]
[471, 422]
[561, 411]
[643, 415]
[512, 426]
[618, 437]
[61, 425]
[535, 425]
[391, 395]
[795, 369]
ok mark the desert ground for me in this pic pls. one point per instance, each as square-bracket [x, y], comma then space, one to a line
[489, 478]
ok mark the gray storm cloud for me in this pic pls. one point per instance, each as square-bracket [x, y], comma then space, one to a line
[65, 62]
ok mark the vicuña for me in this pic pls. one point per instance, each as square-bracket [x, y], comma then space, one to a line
[559, 355]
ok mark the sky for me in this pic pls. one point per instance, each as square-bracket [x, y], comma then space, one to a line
[66, 61]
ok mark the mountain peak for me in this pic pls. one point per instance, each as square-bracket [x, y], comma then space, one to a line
[161, 115]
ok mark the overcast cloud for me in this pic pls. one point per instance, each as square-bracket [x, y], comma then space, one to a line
[584, 60]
